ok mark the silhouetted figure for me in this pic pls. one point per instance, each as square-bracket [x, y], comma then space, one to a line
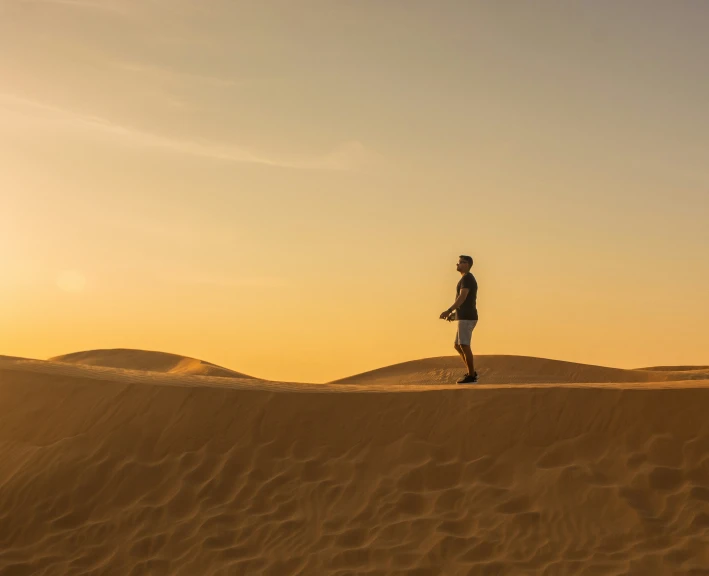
[465, 313]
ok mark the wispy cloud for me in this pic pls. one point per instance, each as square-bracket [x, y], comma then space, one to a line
[346, 156]
[235, 282]
[164, 72]
[206, 278]
[105, 5]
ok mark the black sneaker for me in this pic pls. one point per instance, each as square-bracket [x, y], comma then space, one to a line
[468, 379]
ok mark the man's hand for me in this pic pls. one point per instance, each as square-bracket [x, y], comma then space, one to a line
[446, 315]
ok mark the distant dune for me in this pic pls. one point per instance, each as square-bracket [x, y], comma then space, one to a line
[500, 369]
[116, 471]
[129, 359]
[678, 368]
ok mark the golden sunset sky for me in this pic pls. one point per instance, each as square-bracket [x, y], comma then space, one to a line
[284, 188]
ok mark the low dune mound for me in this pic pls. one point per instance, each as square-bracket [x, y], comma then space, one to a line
[107, 471]
[147, 360]
[676, 368]
[504, 369]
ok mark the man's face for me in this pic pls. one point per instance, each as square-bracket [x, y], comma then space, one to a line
[462, 266]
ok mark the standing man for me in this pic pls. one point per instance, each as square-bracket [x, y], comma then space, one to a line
[464, 310]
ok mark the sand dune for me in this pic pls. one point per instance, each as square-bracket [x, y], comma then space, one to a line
[130, 359]
[113, 471]
[502, 369]
[678, 368]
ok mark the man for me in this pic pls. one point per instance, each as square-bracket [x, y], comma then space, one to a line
[464, 310]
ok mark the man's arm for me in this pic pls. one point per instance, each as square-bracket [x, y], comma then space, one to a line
[458, 301]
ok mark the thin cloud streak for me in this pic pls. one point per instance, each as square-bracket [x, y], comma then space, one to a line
[80, 4]
[202, 279]
[243, 282]
[168, 72]
[346, 156]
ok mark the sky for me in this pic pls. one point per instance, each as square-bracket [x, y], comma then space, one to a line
[284, 188]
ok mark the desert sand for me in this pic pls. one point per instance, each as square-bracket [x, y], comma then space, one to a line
[131, 462]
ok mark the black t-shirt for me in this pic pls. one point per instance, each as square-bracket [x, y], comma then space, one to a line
[468, 310]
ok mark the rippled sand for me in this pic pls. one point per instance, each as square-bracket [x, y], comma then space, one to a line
[105, 470]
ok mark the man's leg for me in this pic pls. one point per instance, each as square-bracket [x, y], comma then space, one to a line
[468, 358]
[460, 351]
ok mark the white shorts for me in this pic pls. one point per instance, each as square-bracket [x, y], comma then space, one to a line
[464, 332]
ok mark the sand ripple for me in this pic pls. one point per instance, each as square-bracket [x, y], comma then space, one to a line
[108, 471]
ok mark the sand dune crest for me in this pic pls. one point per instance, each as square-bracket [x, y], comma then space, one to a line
[504, 369]
[147, 360]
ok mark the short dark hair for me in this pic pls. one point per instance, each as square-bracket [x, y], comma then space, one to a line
[468, 259]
